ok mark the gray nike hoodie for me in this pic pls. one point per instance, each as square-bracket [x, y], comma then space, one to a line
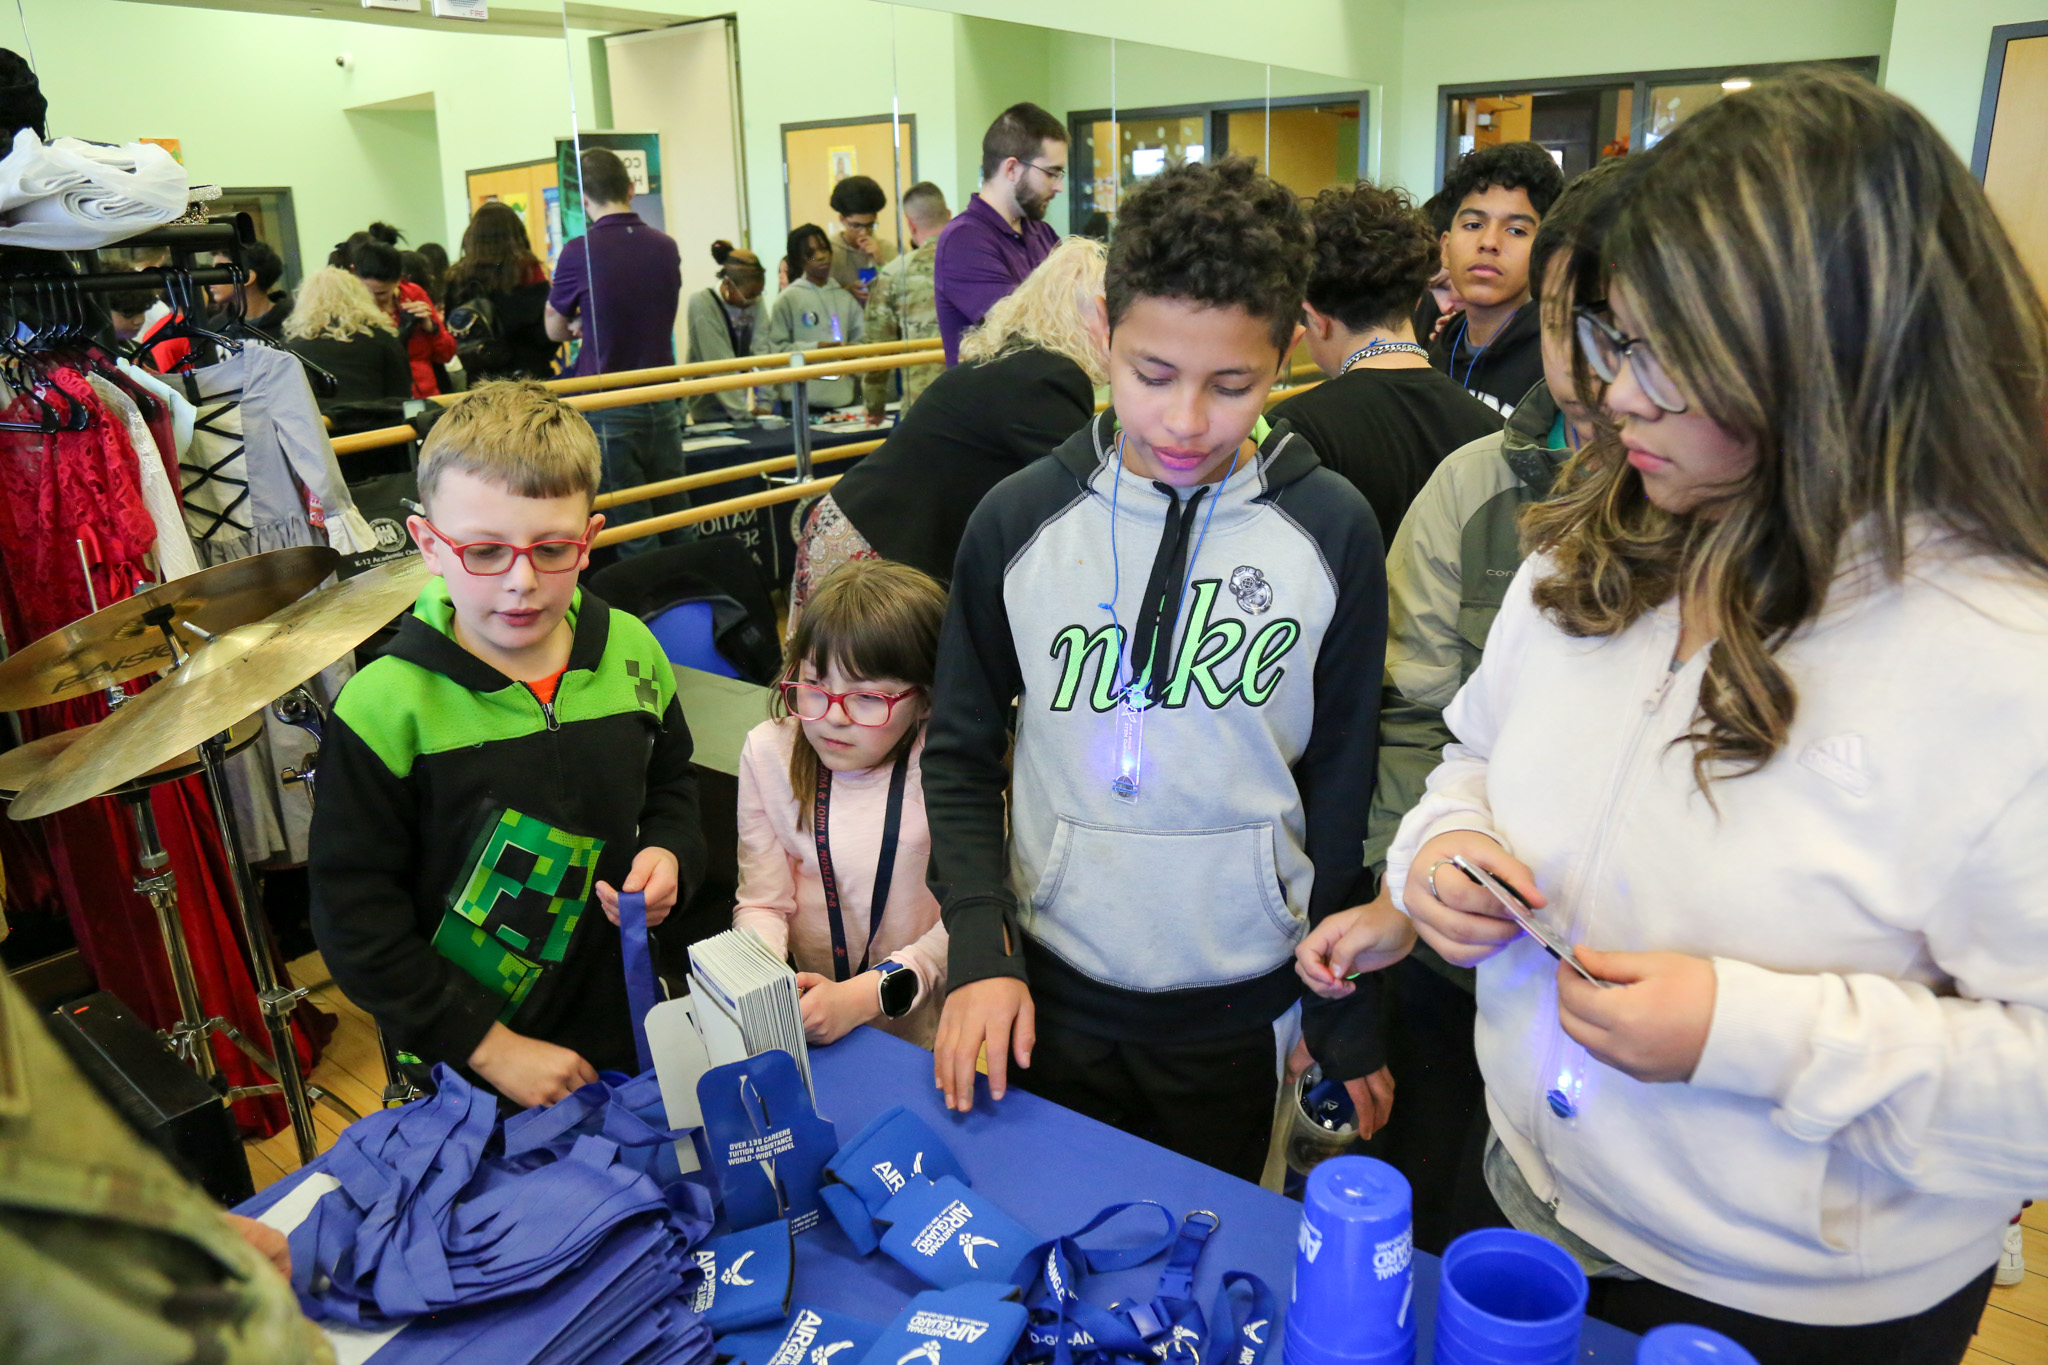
[1257, 608]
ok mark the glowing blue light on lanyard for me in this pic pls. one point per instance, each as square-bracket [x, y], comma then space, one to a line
[1130, 715]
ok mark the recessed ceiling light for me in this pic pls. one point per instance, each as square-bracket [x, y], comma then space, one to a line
[1736, 83]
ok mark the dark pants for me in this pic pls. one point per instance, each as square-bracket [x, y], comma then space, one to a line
[1938, 1336]
[642, 444]
[1209, 1101]
[1436, 1135]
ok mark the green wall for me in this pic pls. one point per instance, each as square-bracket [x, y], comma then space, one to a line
[258, 100]
[1514, 40]
[261, 101]
[1939, 50]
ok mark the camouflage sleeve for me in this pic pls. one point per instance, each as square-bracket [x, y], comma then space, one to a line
[881, 324]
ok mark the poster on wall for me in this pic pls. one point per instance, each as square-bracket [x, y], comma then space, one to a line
[641, 152]
[844, 161]
[552, 197]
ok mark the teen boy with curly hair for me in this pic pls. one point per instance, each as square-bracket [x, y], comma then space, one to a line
[1190, 613]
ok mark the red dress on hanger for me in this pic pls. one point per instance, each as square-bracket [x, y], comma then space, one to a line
[69, 494]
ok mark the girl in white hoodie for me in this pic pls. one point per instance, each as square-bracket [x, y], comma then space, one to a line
[1764, 720]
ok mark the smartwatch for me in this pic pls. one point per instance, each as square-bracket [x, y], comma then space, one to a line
[899, 989]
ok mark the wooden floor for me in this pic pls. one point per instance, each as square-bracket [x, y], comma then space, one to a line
[351, 1069]
[2014, 1330]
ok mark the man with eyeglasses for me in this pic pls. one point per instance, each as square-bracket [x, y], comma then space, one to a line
[858, 252]
[1002, 235]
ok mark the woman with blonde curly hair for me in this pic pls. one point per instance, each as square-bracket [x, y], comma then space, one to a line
[337, 325]
[1025, 382]
[1761, 720]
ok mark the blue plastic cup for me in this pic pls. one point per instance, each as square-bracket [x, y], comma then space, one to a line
[1680, 1343]
[1509, 1298]
[1354, 1276]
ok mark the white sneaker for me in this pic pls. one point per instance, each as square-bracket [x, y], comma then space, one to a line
[2012, 1262]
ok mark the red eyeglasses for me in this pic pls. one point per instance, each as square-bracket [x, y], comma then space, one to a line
[493, 558]
[869, 710]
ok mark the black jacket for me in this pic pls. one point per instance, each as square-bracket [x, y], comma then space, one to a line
[427, 754]
[974, 427]
[1502, 370]
[364, 366]
[519, 347]
[1387, 430]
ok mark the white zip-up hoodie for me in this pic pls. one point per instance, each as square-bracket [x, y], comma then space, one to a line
[1872, 1102]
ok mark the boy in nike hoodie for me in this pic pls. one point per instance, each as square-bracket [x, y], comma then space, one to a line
[1190, 614]
[517, 748]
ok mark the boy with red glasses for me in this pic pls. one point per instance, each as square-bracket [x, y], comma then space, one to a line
[519, 747]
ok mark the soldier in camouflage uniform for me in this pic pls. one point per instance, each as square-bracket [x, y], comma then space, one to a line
[902, 305]
[108, 1254]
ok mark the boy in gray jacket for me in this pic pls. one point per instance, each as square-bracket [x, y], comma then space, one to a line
[1189, 612]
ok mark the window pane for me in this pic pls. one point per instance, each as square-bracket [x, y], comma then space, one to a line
[1671, 105]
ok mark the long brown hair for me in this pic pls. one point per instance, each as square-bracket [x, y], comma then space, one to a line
[875, 618]
[1824, 277]
[497, 256]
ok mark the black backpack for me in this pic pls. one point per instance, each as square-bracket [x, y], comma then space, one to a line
[474, 325]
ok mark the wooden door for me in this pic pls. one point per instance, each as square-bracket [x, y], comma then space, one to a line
[524, 187]
[2016, 171]
[815, 157]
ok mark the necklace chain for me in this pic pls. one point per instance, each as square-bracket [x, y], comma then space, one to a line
[1382, 348]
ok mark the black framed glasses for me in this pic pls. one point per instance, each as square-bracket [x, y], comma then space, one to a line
[1608, 348]
[1056, 174]
[869, 710]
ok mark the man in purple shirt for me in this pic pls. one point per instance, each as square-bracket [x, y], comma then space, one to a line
[616, 288]
[1002, 235]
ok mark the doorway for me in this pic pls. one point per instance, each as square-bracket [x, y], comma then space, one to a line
[817, 156]
[277, 226]
[2011, 155]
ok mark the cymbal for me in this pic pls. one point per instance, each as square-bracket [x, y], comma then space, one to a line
[21, 766]
[114, 644]
[224, 680]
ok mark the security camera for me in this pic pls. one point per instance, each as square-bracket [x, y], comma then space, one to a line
[346, 61]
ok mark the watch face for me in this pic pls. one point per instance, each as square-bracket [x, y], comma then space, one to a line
[899, 990]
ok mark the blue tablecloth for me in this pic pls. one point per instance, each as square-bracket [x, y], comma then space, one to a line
[1052, 1170]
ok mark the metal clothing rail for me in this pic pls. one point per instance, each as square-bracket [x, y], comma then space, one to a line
[712, 511]
[381, 437]
[695, 369]
[775, 464]
[793, 492]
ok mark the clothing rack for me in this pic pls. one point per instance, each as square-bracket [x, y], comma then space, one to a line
[226, 235]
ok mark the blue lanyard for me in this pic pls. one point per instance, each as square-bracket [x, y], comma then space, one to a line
[1465, 321]
[641, 992]
[1126, 673]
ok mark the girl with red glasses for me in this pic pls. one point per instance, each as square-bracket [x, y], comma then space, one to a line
[833, 841]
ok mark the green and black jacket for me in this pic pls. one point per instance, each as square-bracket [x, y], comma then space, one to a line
[461, 826]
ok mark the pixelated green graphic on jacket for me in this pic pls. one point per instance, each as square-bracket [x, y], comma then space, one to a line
[512, 916]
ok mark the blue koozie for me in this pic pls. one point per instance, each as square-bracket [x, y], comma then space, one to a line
[1509, 1298]
[1680, 1343]
[1354, 1276]
[947, 1235]
[747, 1278]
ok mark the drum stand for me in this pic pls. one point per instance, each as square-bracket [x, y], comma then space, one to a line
[188, 1039]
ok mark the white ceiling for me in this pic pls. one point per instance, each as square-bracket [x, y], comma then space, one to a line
[523, 18]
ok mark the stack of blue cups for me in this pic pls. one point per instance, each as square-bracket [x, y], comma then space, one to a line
[1508, 1298]
[1354, 1277]
[1683, 1344]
